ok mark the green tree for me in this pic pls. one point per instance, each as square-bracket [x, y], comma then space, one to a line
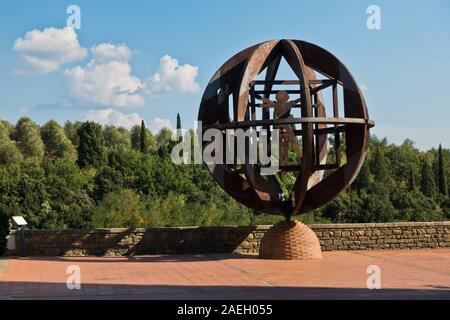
[9, 153]
[57, 145]
[136, 138]
[179, 128]
[69, 190]
[412, 179]
[128, 163]
[33, 196]
[91, 150]
[427, 183]
[164, 142]
[401, 160]
[164, 137]
[27, 134]
[415, 206]
[346, 208]
[379, 166]
[442, 183]
[362, 181]
[71, 131]
[117, 138]
[376, 206]
[9, 189]
[106, 181]
[112, 213]
[144, 139]
[6, 128]
[151, 142]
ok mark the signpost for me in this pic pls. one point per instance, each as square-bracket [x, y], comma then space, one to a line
[21, 223]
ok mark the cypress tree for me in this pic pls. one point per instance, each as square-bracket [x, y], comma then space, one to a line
[427, 184]
[178, 122]
[144, 139]
[442, 184]
[179, 133]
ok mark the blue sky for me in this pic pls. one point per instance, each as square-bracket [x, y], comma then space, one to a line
[404, 67]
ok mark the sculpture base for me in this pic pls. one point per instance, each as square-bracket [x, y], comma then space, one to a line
[290, 240]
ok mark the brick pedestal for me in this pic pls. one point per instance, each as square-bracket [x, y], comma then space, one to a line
[290, 240]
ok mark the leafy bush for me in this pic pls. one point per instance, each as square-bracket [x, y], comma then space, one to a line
[118, 209]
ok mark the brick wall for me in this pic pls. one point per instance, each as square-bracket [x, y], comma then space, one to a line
[404, 235]
[115, 242]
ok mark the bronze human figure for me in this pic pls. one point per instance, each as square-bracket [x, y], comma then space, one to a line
[287, 138]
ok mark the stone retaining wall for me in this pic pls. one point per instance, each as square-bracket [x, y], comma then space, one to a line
[113, 242]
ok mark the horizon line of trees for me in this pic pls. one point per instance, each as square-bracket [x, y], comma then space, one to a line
[84, 175]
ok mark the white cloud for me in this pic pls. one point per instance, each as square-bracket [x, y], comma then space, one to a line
[172, 77]
[106, 80]
[112, 117]
[105, 52]
[46, 51]
[108, 84]
[160, 123]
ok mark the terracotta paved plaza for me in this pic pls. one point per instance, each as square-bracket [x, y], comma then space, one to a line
[409, 274]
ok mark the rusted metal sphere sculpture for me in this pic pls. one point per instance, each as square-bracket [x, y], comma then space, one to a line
[239, 97]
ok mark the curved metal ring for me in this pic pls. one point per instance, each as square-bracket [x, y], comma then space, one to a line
[228, 92]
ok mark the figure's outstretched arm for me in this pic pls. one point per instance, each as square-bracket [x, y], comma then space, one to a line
[267, 103]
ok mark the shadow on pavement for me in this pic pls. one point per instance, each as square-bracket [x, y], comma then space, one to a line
[35, 290]
[145, 259]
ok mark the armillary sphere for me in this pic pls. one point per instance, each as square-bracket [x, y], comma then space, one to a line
[246, 93]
